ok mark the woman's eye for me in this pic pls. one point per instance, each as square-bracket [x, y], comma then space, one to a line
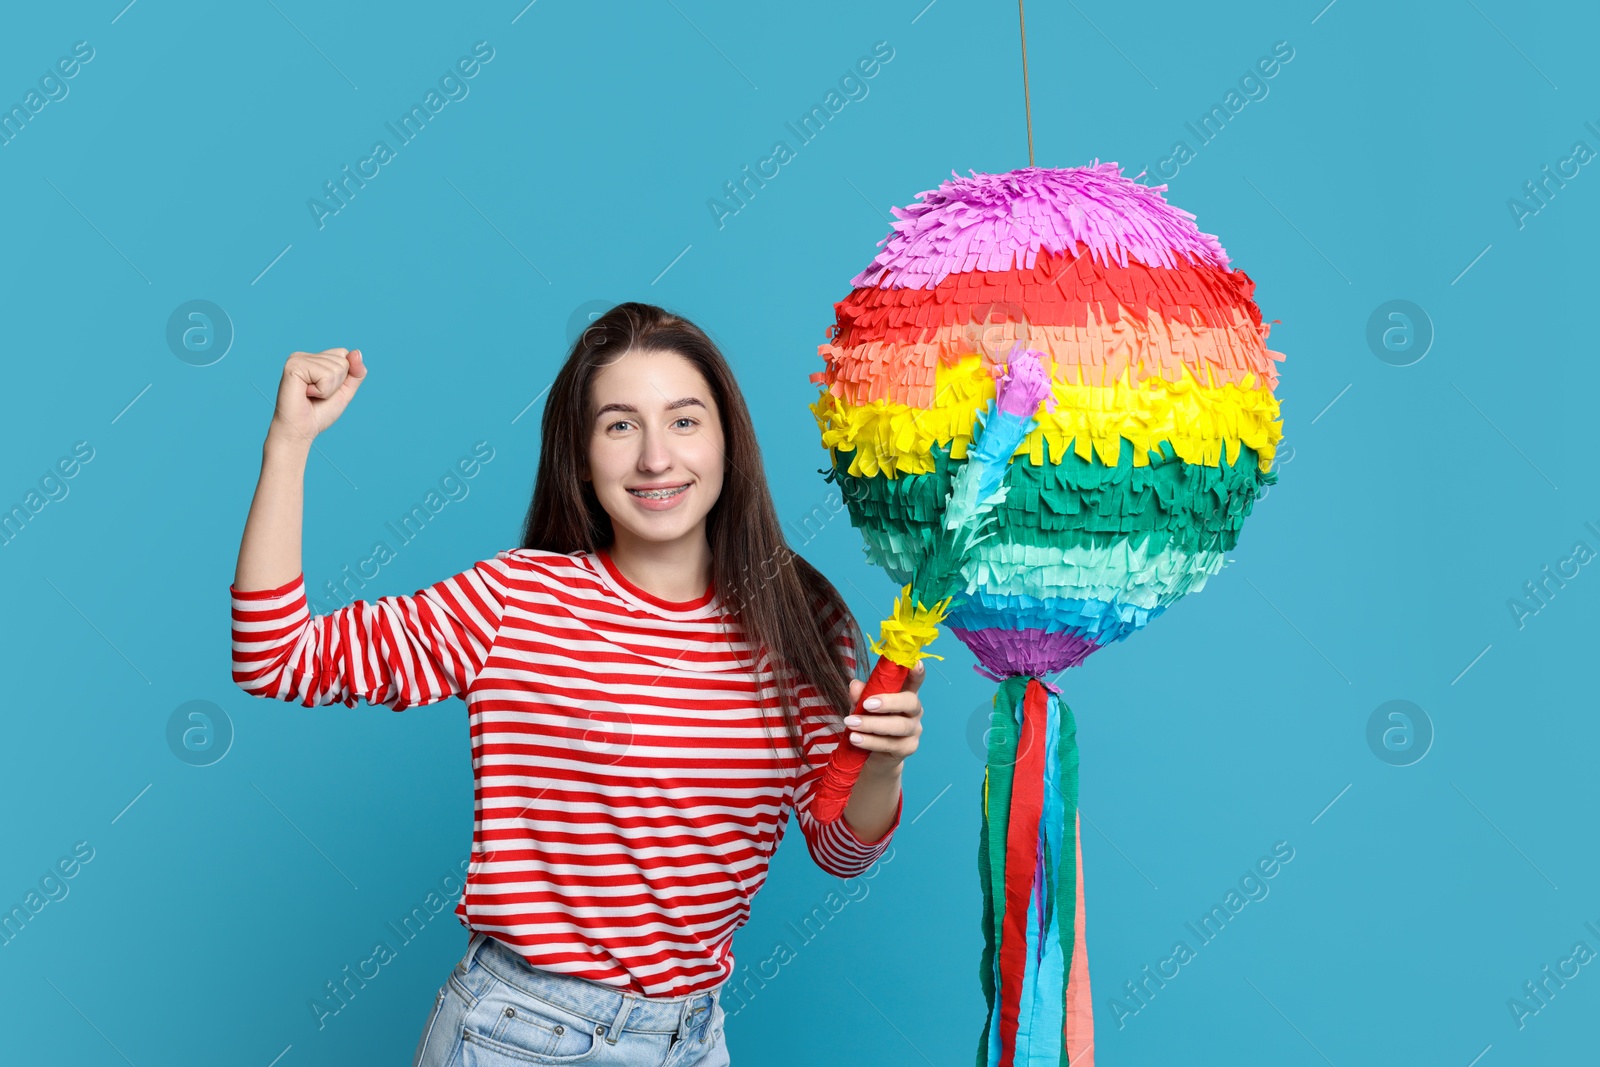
[692, 422]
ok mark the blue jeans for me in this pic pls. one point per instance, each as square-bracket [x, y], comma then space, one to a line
[496, 1011]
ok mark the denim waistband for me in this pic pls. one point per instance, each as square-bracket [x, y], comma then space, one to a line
[618, 1009]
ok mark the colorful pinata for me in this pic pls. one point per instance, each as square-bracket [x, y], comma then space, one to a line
[1049, 405]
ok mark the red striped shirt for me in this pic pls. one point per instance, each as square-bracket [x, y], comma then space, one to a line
[632, 775]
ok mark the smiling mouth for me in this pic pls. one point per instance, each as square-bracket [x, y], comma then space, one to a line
[659, 494]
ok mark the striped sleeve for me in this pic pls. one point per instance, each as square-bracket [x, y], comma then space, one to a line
[834, 846]
[396, 651]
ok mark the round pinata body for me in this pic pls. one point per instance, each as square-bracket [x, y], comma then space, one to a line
[1130, 491]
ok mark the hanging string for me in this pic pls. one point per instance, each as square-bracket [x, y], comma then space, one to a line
[1026, 105]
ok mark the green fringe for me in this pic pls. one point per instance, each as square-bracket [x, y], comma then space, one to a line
[1004, 732]
[1064, 504]
[986, 962]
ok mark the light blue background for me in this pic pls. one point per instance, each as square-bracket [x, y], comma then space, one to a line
[1378, 167]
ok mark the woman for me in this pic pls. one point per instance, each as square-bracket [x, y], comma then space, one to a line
[628, 672]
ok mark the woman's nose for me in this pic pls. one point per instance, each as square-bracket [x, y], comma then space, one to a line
[653, 452]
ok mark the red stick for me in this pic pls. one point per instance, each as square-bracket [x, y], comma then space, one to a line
[833, 790]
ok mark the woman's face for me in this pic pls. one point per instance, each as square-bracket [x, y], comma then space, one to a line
[655, 446]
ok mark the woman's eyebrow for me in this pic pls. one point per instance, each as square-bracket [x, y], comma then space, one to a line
[630, 409]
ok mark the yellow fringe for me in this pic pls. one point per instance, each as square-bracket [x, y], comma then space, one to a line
[903, 635]
[1202, 423]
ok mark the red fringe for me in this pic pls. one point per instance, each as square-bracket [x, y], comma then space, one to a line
[1192, 294]
[1022, 842]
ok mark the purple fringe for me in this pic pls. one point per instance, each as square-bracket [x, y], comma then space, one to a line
[1006, 653]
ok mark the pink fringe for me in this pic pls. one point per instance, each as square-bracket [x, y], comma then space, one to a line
[990, 222]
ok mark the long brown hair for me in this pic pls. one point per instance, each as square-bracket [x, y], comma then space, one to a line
[779, 602]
